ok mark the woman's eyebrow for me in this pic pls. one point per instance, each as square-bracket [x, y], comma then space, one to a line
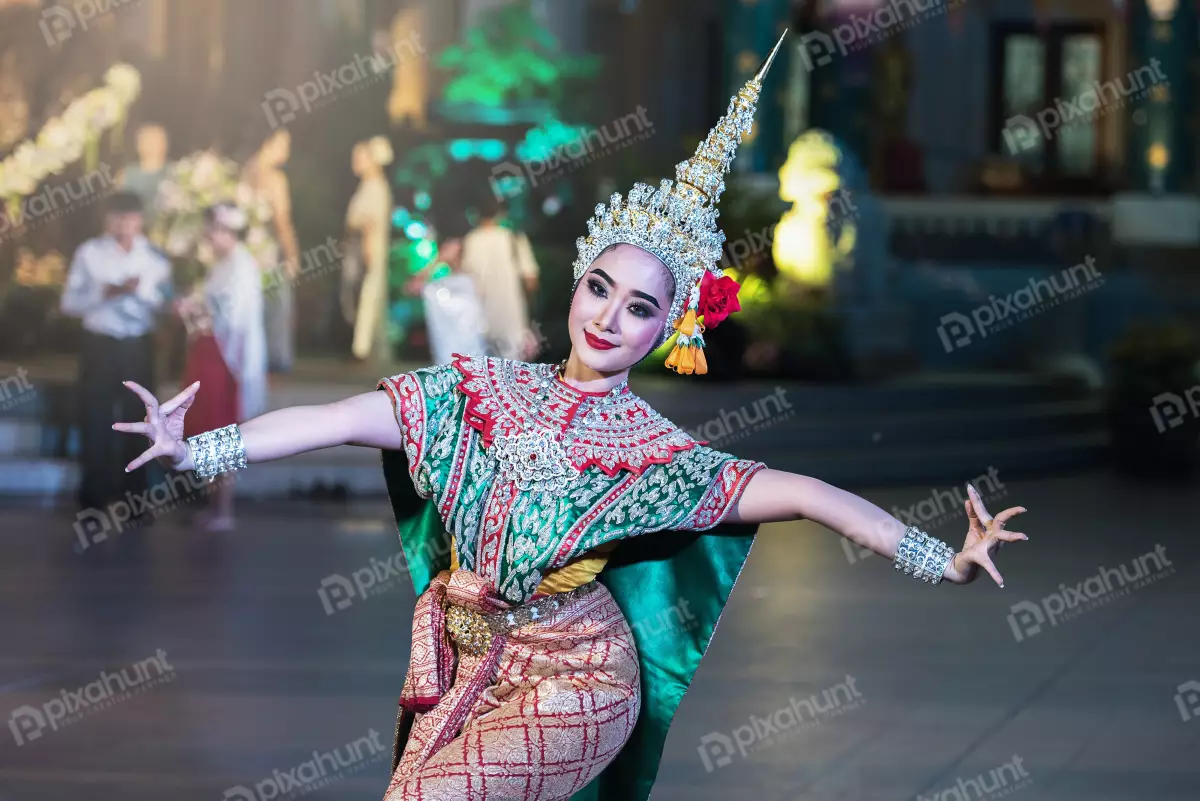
[608, 278]
[647, 297]
[604, 275]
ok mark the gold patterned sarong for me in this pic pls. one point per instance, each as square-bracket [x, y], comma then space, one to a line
[535, 717]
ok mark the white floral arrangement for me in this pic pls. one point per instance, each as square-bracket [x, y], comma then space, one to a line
[191, 185]
[74, 134]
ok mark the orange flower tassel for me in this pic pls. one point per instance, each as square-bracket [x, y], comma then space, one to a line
[701, 362]
[673, 360]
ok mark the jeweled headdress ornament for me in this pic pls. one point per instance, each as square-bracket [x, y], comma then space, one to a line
[677, 222]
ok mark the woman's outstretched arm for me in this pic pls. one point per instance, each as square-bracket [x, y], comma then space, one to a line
[366, 420]
[775, 496]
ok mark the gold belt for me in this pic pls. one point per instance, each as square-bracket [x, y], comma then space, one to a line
[474, 631]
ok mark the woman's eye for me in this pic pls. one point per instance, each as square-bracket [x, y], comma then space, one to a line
[597, 289]
[639, 310]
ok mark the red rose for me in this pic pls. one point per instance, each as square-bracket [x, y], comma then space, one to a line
[718, 298]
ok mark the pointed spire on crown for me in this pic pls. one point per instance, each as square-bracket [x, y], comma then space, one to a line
[705, 172]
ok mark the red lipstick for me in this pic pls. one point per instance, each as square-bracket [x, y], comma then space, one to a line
[596, 343]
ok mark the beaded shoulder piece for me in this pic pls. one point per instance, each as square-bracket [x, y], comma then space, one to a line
[505, 398]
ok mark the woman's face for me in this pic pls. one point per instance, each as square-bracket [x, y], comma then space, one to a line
[360, 160]
[223, 240]
[619, 309]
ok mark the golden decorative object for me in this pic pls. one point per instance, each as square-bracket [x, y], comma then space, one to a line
[469, 630]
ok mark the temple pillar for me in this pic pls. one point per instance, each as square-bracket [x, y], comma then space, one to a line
[1162, 42]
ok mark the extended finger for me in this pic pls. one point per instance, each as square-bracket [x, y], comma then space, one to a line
[1009, 536]
[177, 401]
[985, 561]
[143, 393]
[1008, 514]
[141, 460]
[134, 428]
[980, 509]
[973, 518]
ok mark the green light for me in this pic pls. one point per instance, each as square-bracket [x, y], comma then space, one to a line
[422, 200]
[400, 217]
[461, 149]
[416, 230]
[426, 249]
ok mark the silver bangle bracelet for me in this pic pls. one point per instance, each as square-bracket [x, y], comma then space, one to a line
[217, 452]
[922, 556]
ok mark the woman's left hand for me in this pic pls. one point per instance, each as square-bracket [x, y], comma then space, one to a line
[985, 536]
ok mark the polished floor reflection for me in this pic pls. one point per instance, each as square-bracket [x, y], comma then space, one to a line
[161, 663]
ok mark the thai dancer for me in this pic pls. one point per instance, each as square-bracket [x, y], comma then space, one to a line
[546, 509]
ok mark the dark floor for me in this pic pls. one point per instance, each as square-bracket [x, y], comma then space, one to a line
[933, 693]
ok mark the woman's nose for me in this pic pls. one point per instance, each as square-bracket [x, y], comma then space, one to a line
[607, 319]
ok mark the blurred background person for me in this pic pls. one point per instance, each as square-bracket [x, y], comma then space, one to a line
[227, 351]
[500, 262]
[365, 268]
[144, 176]
[116, 284]
[264, 175]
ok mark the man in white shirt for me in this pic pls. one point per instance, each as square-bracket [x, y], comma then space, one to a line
[116, 285]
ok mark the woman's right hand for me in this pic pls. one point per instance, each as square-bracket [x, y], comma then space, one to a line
[163, 426]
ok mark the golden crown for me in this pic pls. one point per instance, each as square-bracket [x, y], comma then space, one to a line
[677, 222]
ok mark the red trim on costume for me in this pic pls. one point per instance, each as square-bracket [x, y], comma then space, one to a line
[499, 403]
[725, 491]
[408, 406]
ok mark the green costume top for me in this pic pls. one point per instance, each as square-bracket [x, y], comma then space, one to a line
[526, 474]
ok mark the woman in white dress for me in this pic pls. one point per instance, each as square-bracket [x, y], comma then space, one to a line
[227, 342]
[368, 223]
[502, 266]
